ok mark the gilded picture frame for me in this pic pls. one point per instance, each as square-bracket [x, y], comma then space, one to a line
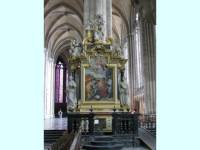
[91, 79]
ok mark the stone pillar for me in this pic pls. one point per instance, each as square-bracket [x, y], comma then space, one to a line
[149, 66]
[99, 7]
[136, 60]
[131, 71]
[142, 60]
[138, 63]
[130, 59]
[109, 18]
[49, 90]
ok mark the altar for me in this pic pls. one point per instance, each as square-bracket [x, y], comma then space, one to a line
[100, 70]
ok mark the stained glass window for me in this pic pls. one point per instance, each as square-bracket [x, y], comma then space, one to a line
[59, 82]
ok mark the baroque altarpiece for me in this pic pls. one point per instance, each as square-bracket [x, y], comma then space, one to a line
[101, 69]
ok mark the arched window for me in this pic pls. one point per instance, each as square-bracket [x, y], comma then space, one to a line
[61, 75]
[59, 82]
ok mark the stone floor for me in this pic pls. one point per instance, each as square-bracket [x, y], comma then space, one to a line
[134, 148]
[61, 124]
[55, 124]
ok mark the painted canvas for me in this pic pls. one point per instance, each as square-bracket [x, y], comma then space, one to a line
[98, 83]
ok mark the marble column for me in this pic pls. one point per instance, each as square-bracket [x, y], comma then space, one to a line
[49, 90]
[99, 7]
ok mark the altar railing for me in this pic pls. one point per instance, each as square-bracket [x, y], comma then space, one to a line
[148, 122]
[122, 122]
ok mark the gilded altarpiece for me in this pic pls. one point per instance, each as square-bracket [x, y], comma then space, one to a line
[100, 66]
[99, 71]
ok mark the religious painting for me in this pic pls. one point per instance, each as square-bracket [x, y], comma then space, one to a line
[98, 81]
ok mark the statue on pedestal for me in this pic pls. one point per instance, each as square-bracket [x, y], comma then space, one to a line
[75, 49]
[123, 90]
[60, 113]
[98, 35]
[89, 25]
[109, 83]
[71, 90]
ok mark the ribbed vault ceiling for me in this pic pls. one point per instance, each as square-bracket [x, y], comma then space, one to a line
[64, 21]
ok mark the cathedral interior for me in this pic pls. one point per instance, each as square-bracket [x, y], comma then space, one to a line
[100, 74]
